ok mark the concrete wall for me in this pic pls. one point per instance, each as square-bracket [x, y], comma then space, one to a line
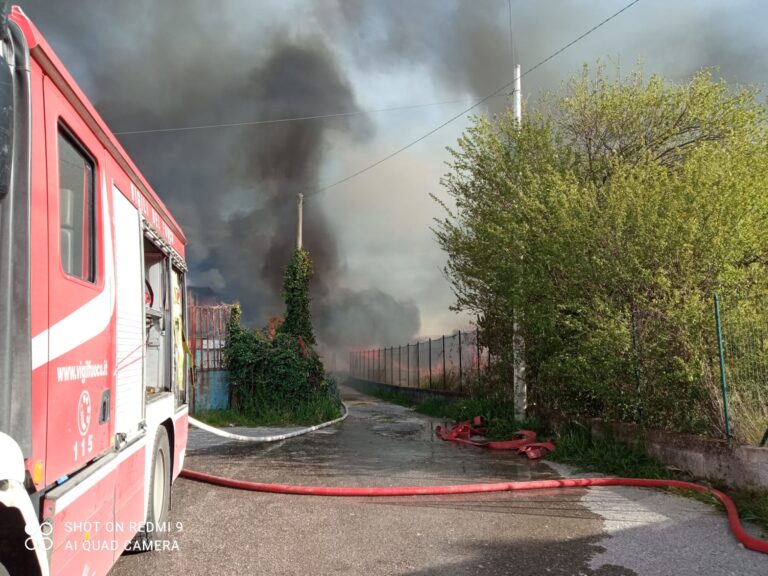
[211, 390]
[735, 465]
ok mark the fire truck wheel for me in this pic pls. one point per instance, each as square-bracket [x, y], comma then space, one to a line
[159, 494]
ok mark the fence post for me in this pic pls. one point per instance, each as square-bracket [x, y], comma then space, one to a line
[445, 387]
[430, 363]
[723, 382]
[460, 381]
[400, 365]
[477, 345]
[418, 364]
[636, 361]
[408, 365]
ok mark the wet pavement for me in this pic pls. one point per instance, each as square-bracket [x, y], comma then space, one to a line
[606, 531]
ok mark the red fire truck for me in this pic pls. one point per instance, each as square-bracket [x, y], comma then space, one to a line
[93, 374]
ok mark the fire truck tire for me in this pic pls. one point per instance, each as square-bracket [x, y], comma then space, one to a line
[159, 494]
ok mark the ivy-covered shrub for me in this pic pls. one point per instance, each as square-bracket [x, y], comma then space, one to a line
[277, 380]
[275, 374]
[298, 320]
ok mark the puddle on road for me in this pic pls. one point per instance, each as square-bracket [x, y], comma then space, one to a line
[399, 429]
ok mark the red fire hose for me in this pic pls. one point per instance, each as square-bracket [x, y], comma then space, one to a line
[748, 541]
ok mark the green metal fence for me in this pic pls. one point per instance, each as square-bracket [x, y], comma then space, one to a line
[741, 325]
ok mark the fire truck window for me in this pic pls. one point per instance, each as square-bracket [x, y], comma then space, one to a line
[76, 210]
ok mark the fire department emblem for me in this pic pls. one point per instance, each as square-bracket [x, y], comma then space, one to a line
[84, 412]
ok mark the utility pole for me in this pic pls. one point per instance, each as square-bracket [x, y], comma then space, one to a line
[300, 222]
[520, 390]
[517, 99]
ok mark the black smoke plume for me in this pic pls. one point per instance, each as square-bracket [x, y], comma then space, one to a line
[233, 189]
[163, 64]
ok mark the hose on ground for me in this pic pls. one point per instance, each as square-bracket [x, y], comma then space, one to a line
[274, 438]
[750, 542]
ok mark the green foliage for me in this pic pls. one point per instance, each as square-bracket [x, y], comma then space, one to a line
[575, 445]
[277, 380]
[298, 320]
[603, 228]
[313, 411]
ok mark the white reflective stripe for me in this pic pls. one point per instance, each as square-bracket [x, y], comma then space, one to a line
[92, 318]
[70, 496]
[40, 349]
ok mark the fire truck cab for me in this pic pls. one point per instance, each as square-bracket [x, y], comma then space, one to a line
[93, 370]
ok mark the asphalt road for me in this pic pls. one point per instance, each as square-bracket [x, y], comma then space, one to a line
[605, 531]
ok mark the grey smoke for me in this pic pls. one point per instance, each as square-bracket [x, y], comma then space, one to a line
[347, 316]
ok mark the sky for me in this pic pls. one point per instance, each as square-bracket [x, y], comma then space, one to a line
[180, 63]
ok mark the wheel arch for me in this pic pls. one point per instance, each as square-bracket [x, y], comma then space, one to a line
[18, 559]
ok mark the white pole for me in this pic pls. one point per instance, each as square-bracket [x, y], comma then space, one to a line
[520, 390]
[300, 223]
[517, 100]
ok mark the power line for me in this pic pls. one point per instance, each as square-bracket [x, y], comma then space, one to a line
[292, 119]
[478, 103]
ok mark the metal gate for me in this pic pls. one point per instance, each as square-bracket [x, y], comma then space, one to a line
[208, 328]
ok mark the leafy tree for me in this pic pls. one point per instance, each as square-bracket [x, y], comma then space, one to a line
[298, 319]
[607, 218]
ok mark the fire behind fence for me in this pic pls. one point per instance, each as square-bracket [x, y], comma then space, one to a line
[450, 363]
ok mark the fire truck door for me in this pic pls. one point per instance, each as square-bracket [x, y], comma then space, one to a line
[81, 292]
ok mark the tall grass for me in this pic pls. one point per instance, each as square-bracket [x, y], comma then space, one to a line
[318, 409]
